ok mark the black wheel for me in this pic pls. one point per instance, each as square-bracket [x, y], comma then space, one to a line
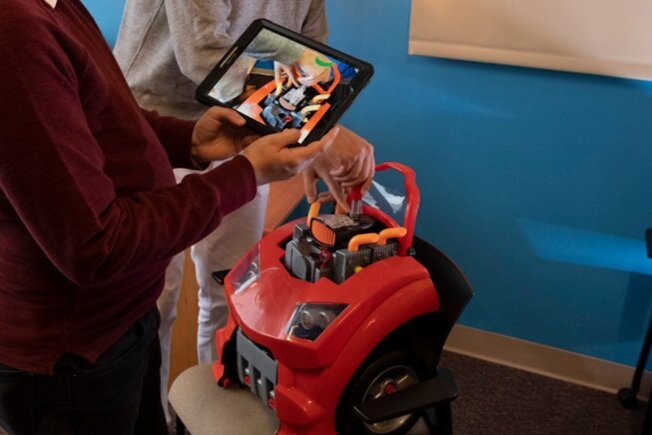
[439, 419]
[627, 398]
[385, 374]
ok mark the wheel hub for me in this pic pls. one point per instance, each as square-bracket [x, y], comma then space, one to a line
[391, 380]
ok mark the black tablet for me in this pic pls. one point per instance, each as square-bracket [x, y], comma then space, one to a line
[280, 79]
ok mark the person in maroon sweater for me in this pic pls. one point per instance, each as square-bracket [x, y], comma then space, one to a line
[89, 217]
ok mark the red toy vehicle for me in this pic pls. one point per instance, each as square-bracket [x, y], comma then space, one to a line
[337, 323]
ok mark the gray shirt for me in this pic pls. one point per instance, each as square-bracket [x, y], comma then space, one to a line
[167, 47]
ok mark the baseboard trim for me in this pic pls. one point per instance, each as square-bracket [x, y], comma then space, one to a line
[545, 360]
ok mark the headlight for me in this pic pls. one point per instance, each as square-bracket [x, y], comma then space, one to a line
[310, 320]
[246, 272]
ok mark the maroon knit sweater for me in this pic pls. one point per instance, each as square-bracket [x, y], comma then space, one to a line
[89, 213]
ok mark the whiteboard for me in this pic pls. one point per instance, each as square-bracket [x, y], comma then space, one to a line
[607, 37]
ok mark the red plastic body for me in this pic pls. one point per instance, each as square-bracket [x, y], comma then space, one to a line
[312, 375]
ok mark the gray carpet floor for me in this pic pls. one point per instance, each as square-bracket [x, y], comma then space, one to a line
[498, 400]
[495, 399]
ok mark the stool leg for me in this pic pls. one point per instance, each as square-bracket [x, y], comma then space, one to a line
[647, 423]
[642, 359]
[627, 396]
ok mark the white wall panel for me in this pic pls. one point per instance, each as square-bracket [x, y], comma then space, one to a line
[606, 37]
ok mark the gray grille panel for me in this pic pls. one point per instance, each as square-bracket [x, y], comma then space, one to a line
[257, 365]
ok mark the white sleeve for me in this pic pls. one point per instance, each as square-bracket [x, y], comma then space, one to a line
[199, 34]
[315, 25]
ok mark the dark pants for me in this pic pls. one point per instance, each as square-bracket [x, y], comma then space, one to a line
[118, 395]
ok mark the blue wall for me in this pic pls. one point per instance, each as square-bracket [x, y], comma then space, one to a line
[107, 14]
[535, 182]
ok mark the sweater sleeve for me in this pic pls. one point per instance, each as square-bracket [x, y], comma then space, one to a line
[315, 25]
[54, 179]
[175, 136]
[199, 34]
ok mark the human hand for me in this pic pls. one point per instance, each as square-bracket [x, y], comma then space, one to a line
[273, 160]
[281, 73]
[219, 134]
[347, 162]
[314, 68]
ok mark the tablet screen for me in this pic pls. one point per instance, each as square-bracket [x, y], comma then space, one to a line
[281, 83]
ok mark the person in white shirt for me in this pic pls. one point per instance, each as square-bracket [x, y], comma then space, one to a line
[165, 49]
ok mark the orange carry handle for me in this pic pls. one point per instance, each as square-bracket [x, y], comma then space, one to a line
[362, 239]
[391, 233]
